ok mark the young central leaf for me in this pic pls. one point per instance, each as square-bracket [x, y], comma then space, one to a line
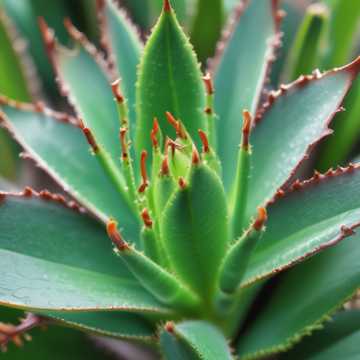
[169, 80]
[195, 230]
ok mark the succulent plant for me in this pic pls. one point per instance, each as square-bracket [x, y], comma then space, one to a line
[197, 184]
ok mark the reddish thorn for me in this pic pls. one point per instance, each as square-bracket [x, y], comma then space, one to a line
[297, 185]
[45, 194]
[167, 6]
[170, 327]
[115, 236]
[115, 87]
[39, 106]
[208, 84]
[208, 111]
[195, 156]
[204, 140]
[279, 194]
[90, 138]
[182, 182]
[28, 192]
[2, 197]
[317, 175]
[246, 130]
[145, 182]
[176, 125]
[165, 171]
[47, 34]
[346, 231]
[153, 134]
[261, 219]
[146, 218]
[124, 148]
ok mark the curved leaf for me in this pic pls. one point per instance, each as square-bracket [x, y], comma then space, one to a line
[240, 72]
[338, 340]
[299, 113]
[66, 258]
[61, 150]
[195, 230]
[307, 220]
[123, 41]
[115, 324]
[169, 80]
[304, 299]
[196, 340]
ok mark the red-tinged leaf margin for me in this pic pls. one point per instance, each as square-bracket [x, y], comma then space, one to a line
[230, 27]
[28, 68]
[353, 68]
[105, 43]
[52, 46]
[297, 186]
[29, 154]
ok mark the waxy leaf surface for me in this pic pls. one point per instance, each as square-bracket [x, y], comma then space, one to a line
[53, 258]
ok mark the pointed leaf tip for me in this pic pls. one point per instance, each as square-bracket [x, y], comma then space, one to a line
[115, 236]
[146, 218]
[47, 34]
[154, 132]
[167, 6]
[143, 172]
[204, 140]
[246, 129]
[261, 219]
[115, 87]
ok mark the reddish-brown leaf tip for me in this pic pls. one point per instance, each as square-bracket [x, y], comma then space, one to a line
[182, 183]
[165, 171]
[154, 132]
[170, 327]
[115, 87]
[146, 218]
[167, 6]
[123, 142]
[205, 141]
[144, 184]
[209, 86]
[246, 129]
[176, 125]
[195, 156]
[115, 236]
[47, 34]
[261, 219]
[347, 231]
[89, 137]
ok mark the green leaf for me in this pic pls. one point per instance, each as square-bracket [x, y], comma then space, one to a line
[347, 130]
[240, 73]
[195, 230]
[338, 340]
[67, 259]
[294, 120]
[62, 150]
[115, 324]
[169, 80]
[124, 42]
[57, 343]
[342, 39]
[306, 221]
[89, 90]
[304, 299]
[305, 53]
[206, 28]
[196, 340]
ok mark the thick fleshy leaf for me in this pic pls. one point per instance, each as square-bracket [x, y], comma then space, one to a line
[83, 79]
[57, 343]
[196, 340]
[195, 230]
[62, 150]
[338, 340]
[169, 80]
[240, 72]
[289, 125]
[304, 299]
[115, 324]
[124, 43]
[206, 28]
[307, 220]
[65, 257]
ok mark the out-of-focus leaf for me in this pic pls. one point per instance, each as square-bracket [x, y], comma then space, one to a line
[194, 340]
[304, 56]
[56, 343]
[206, 28]
[338, 340]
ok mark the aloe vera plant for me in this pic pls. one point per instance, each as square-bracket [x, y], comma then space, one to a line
[196, 184]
